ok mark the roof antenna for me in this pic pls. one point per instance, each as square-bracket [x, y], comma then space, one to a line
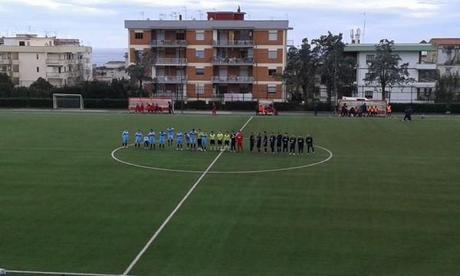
[364, 27]
[239, 9]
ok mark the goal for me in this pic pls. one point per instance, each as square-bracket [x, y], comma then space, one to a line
[67, 101]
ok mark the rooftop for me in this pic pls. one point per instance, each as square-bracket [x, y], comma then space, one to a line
[207, 24]
[398, 47]
[445, 41]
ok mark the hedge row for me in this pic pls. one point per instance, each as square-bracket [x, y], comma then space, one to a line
[202, 105]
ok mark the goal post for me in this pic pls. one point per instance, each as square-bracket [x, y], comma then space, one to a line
[67, 101]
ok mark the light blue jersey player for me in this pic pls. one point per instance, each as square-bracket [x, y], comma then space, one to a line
[170, 136]
[193, 135]
[179, 141]
[152, 139]
[204, 141]
[138, 139]
[125, 138]
[187, 139]
[162, 139]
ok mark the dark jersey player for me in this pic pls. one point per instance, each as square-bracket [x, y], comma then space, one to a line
[300, 144]
[292, 144]
[233, 141]
[272, 142]
[309, 141]
[279, 142]
[265, 142]
[285, 142]
[258, 142]
[252, 140]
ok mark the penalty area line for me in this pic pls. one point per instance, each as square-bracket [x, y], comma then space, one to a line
[179, 205]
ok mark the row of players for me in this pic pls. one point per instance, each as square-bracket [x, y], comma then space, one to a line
[228, 141]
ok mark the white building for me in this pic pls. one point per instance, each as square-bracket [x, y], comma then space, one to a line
[421, 69]
[25, 58]
[112, 70]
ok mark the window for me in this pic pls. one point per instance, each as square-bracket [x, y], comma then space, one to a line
[38, 56]
[272, 54]
[273, 35]
[370, 58]
[199, 35]
[272, 72]
[427, 75]
[199, 88]
[271, 88]
[367, 76]
[199, 71]
[368, 94]
[38, 69]
[138, 35]
[199, 54]
[22, 43]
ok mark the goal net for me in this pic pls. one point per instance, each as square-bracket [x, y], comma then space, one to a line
[67, 101]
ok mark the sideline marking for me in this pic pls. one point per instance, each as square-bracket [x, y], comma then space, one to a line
[163, 225]
[58, 273]
[331, 155]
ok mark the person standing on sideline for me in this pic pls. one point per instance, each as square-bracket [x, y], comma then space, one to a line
[309, 141]
[214, 109]
[138, 140]
[258, 141]
[389, 110]
[124, 138]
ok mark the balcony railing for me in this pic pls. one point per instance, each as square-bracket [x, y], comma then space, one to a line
[5, 60]
[233, 79]
[168, 43]
[171, 61]
[233, 61]
[233, 43]
[170, 79]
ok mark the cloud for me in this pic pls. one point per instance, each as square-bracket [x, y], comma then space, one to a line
[70, 6]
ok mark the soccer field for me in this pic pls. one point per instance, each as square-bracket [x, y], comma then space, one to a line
[382, 197]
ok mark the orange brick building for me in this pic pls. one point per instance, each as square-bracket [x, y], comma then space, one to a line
[223, 58]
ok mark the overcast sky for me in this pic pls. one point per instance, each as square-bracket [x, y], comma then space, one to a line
[99, 23]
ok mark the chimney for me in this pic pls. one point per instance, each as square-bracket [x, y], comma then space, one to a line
[180, 17]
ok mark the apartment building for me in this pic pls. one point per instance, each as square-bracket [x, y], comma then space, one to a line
[422, 69]
[112, 70]
[222, 58]
[447, 55]
[27, 57]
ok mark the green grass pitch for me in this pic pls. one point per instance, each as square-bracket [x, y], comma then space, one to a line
[387, 203]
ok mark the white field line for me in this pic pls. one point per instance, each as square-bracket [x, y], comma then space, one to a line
[58, 273]
[179, 205]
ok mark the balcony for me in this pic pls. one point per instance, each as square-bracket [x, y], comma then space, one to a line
[170, 62]
[234, 43]
[233, 61]
[5, 61]
[170, 79]
[425, 66]
[168, 43]
[233, 79]
[57, 61]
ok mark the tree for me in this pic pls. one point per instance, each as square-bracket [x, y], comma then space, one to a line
[385, 69]
[6, 85]
[141, 71]
[448, 89]
[41, 84]
[300, 71]
[335, 69]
